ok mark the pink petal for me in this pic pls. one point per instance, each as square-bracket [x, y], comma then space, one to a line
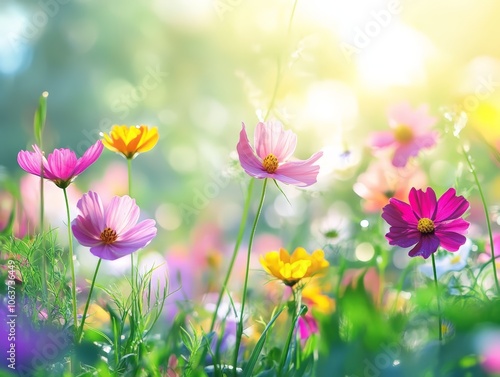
[107, 252]
[423, 203]
[249, 162]
[403, 152]
[270, 137]
[400, 114]
[91, 208]
[30, 162]
[121, 214]
[83, 233]
[299, 173]
[425, 247]
[450, 206]
[382, 139]
[138, 236]
[425, 141]
[89, 157]
[61, 164]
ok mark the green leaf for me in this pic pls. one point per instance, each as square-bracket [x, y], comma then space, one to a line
[260, 344]
[40, 115]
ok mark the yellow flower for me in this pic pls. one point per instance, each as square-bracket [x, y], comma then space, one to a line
[130, 141]
[291, 268]
[313, 297]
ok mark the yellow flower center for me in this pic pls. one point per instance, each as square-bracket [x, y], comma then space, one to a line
[456, 259]
[425, 225]
[270, 163]
[108, 236]
[403, 134]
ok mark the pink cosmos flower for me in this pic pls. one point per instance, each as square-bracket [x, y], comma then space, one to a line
[61, 166]
[111, 231]
[410, 133]
[382, 181]
[273, 148]
[426, 222]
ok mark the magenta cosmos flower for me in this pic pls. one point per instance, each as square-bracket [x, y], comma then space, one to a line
[61, 166]
[111, 231]
[411, 132]
[273, 148]
[427, 223]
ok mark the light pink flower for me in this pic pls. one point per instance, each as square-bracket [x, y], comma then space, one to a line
[273, 149]
[111, 231]
[411, 132]
[382, 181]
[61, 166]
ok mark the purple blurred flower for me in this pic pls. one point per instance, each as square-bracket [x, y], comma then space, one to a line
[61, 166]
[426, 222]
[111, 232]
[273, 148]
[410, 133]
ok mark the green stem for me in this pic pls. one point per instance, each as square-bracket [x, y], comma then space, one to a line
[129, 175]
[440, 320]
[42, 228]
[487, 215]
[297, 298]
[71, 262]
[80, 332]
[235, 251]
[239, 332]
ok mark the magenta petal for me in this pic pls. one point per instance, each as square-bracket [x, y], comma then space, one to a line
[299, 173]
[398, 213]
[450, 241]
[427, 245]
[270, 137]
[450, 206]
[61, 163]
[89, 157]
[30, 162]
[423, 203]
[402, 237]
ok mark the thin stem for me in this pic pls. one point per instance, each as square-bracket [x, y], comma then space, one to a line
[71, 262]
[80, 332]
[239, 332]
[42, 228]
[129, 175]
[440, 320]
[297, 299]
[239, 238]
[487, 215]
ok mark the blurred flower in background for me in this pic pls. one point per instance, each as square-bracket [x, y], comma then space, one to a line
[411, 132]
